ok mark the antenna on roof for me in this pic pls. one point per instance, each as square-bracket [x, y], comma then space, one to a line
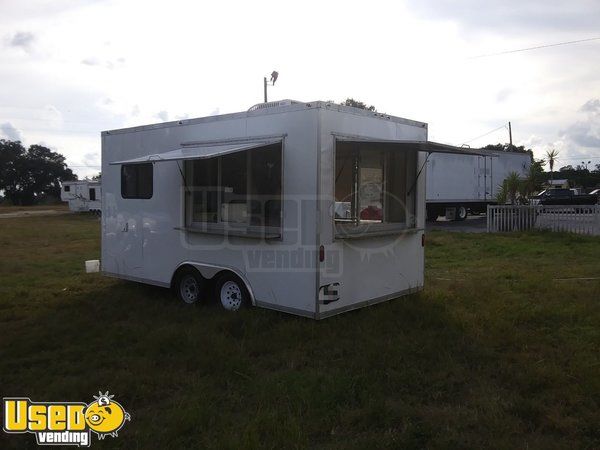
[274, 76]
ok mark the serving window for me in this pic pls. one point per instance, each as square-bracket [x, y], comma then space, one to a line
[236, 191]
[374, 186]
[137, 181]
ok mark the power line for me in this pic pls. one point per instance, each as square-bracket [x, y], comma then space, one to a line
[579, 157]
[485, 134]
[535, 48]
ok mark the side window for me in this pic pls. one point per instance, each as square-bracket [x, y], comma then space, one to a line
[240, 188]
[92, 194]
[137, 181]
[67, 188]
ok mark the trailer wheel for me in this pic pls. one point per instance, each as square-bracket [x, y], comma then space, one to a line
[461, 212]
[231, 292]
[189, 285]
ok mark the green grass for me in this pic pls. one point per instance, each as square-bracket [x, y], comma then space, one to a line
[496, 352]
[50, 206]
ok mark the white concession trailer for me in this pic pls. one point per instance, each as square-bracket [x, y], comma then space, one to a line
[308, 208]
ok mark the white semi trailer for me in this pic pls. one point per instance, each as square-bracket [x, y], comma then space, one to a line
[457, 185]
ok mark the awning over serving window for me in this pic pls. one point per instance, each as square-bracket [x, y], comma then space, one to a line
[199, 152]
[422, 146]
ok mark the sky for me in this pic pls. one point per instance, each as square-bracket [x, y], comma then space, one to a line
[70, 69]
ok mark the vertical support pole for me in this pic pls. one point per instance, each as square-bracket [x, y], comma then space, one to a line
[265, 87]
[509, 133]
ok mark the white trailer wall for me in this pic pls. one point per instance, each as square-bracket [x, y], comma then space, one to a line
[454, 178]
[373, 268]
[155, 244]
[471, 178]
[146, 239]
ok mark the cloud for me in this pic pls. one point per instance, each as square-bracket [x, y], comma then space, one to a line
[22, 39]
[163, 115]
[53, 116]
[112, 64]
[11, 132]
[532, 141]
[524, 17]
[91, 159]
[109, 64]
[135, 111]
[215, 112]
[42, 9]
[592, 105]
[586, 133]
[503, 94]
[90, 62]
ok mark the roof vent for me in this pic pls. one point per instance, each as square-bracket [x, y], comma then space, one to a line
[276, 104]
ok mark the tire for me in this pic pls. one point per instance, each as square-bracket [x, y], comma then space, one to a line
[231, 292]
[189, 286]
[461, 213]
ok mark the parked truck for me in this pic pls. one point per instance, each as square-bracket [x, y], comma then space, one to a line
[461, 184]
[565, 197]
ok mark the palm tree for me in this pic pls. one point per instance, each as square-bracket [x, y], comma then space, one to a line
[508, 190]
[532, 182]
[502, 193]
[552, 156]
[513, 186]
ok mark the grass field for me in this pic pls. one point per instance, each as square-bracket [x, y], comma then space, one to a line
[498, 351]
[50, 206]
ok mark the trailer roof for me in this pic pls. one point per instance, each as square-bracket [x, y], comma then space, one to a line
[268, 111]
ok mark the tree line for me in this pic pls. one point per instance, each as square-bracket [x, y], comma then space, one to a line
[33, 174]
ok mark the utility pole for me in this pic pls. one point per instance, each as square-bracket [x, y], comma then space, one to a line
[265, 85]
[509, 132]
[274, 76]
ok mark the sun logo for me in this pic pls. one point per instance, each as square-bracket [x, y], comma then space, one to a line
[105, 416]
